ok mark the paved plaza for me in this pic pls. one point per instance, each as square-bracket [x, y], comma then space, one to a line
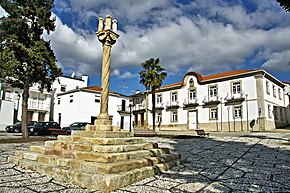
[224, 162]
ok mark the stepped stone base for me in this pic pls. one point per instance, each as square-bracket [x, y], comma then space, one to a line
[97, 160]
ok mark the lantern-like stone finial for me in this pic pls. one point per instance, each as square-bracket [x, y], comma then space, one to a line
[101, 24]
[108, 22]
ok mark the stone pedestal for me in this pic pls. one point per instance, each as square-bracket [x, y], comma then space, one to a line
[97, 160]
[102, 123]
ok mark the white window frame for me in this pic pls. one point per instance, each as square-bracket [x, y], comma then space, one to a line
[238, 112]
[267, 87]
[192, 94]
[213, 91]
[159, 99]
[174, 97]
[279, 93]
[71, 99]
[274, 91]
[236, 87]
[174, 117]
[158, 117]
[213, 113]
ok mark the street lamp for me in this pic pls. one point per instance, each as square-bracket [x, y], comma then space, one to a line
[130, 106]
[247, 112]
[229, 118]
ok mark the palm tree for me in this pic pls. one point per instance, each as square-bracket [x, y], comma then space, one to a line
[152, 78]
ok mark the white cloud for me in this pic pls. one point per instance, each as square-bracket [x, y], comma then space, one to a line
[221, 37]
[128, 75]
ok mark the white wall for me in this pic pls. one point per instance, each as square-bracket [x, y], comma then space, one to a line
[6, 114]
[84, 107]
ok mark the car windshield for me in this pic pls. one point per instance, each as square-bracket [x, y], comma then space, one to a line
[18, 123]
[74, 125]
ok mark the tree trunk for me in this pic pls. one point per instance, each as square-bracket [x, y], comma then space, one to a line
[153, 107]
[24, 109]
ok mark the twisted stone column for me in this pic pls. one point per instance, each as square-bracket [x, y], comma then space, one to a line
[108, 37]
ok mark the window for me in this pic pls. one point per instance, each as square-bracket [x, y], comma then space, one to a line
[275, 113]
[159, 99]
[58, 101]
[279, 93]
[174, 116]
[192, 94]
[213, 91]
[8, 95]
[238, 111]
[97, 99]
[236, 87]
[269, 111]
[174, 97]
[71, 99]
[274, 90]
[213, 113]
[281, 114]
[159, 117]
[62, 88]
[267, 87]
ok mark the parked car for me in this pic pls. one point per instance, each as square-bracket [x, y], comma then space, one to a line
[16, 128]
[42, 128]
[76, 126]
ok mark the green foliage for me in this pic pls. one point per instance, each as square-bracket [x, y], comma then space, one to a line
[26, 58]
[285, 4]
[24, 53]
[152, 76]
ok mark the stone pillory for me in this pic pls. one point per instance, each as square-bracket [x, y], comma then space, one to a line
[99, 158]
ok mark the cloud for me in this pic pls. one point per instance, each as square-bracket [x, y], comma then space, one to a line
[221, 37]
[128, 75]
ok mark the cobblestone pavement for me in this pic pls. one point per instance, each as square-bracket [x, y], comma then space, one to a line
[255, 162]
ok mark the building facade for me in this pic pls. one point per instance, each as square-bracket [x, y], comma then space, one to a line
[242, 100]
[40, 104]
[83, 105]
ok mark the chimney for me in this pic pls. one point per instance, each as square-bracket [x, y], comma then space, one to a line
[85, 78]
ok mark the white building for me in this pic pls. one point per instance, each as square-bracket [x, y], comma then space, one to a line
[83, 105]
[242, 100]
[40, 104]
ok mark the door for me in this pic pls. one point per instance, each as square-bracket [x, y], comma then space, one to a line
[122, 122]
[123, 105]
[192, 120]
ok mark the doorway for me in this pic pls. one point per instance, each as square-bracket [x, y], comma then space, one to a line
[192, 122]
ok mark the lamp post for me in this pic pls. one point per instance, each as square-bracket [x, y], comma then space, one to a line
[229, 118]
[130, 106]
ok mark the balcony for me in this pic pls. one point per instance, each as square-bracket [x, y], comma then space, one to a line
[123, 110]
[211, 101]
[235, 99]
[159, 106]
[172, 105]
[39, 106]
[138, 108]
[188, 104]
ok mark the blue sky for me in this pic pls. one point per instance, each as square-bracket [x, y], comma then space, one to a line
[208, 36]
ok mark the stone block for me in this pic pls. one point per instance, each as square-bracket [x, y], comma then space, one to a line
[38, 149]
[30, 155]
[47, 159]
[13, 159]
[19, 154]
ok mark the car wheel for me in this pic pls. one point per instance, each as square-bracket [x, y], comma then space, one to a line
[35, 133]
[17, 130]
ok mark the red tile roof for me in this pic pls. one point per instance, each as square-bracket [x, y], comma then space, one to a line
[96, 88]
[209, 77]
[225, 74]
